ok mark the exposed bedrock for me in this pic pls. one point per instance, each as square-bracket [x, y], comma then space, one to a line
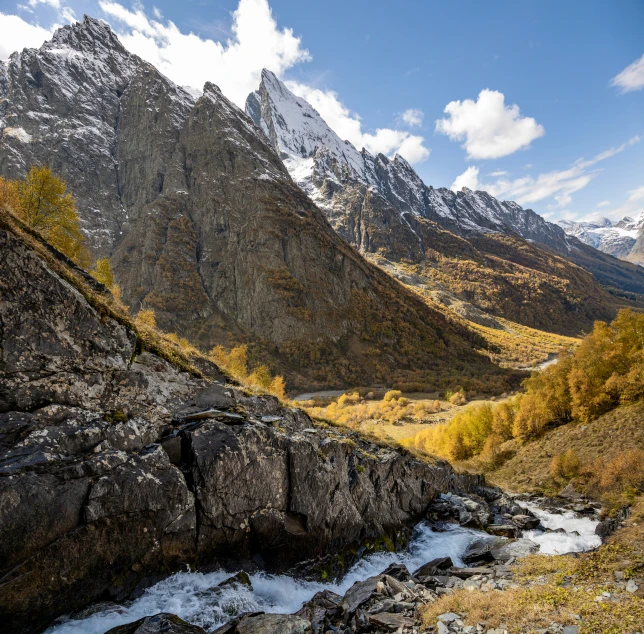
[117, 468]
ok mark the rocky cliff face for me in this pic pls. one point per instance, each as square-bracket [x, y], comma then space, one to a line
[117, 468]
[203, 222]
[382, 206]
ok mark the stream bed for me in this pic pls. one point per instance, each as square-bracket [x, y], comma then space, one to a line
[195, 597]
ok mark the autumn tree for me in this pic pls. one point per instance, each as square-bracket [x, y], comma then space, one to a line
[102, 272]
[9, 197]
[46, 206]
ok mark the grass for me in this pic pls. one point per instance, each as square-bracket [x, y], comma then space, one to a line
[606, 437]
[563, 590]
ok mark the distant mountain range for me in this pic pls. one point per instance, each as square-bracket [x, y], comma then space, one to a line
[623, 239]
[203, 223]
[469, 243]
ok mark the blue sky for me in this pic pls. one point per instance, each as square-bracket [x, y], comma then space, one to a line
[556, 127]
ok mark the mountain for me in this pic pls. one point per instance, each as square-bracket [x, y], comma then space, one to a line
[204, 225]
[618, 239]
[381, 206]
[118, 467]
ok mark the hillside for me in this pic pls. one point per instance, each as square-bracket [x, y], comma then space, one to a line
[204, 225]
[123, 459]
[492, 253]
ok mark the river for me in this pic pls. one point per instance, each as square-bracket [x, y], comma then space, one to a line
[194, 596]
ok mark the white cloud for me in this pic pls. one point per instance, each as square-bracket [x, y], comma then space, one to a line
[18, 34]
[632, 207]
[51, 3]
[413, 117]
[347, 125]
[604, 203]
[488, 127]
[469, 178]
[499, 173]
[558, 184]
[631, 78]
[256, 43]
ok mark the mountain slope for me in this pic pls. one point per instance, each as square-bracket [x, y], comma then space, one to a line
[205, 225]
[383, 207]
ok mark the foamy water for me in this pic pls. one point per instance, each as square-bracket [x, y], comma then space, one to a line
[562, 543]
[194, 596]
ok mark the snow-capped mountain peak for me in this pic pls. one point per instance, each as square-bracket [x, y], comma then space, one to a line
[335, 175]
[616, 239]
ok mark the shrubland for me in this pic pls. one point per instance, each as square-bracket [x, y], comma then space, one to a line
[604, 371]
[352, 409]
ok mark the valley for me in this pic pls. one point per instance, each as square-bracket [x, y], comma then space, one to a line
[257, 379]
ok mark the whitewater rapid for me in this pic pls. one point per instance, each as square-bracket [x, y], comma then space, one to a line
[194, 596]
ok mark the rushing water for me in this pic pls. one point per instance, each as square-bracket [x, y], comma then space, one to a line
[579, 532]
[195, 597]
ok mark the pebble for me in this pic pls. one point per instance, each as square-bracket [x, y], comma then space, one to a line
[631, 586]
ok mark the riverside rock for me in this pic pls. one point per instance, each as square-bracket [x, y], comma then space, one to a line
[98, 500]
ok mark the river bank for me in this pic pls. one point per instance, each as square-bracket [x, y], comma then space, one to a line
[469, 557]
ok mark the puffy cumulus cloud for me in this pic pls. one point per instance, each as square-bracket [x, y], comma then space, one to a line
[469, 178]
[413, 117]
[235, 66]
[631, 78]
[18, 34]
[557, 184]
[347, 126]
[488, 127]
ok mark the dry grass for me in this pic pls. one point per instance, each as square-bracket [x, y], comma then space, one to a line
[606, 437]
[562, 588]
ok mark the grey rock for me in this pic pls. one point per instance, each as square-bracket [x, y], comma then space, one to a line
[390, 622]
[94, 481]
[158, 624]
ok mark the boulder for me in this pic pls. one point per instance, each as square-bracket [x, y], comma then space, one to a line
[158, 624]
[434, 567]
[390, 622]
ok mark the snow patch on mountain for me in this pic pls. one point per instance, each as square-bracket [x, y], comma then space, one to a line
[615, 239]
[327, 167]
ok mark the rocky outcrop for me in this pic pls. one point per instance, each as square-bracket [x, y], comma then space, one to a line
[117, 468]
[204, 224]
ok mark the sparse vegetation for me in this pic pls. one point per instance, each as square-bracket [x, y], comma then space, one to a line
[235, 362]
[352, 410]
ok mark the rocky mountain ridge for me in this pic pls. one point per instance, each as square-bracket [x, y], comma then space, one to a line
[203, 223]
[381, 205]
[118, 468]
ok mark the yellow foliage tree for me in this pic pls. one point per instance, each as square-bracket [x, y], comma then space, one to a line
[47, 207]
[102, 272]
[9, 197]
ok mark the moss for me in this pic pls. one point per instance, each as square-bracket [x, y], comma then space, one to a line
[359, 468]
[117, 416]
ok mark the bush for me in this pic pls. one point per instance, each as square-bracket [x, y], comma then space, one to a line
[146, 317]
[102, 272]
[235, 362]
[565, 466]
